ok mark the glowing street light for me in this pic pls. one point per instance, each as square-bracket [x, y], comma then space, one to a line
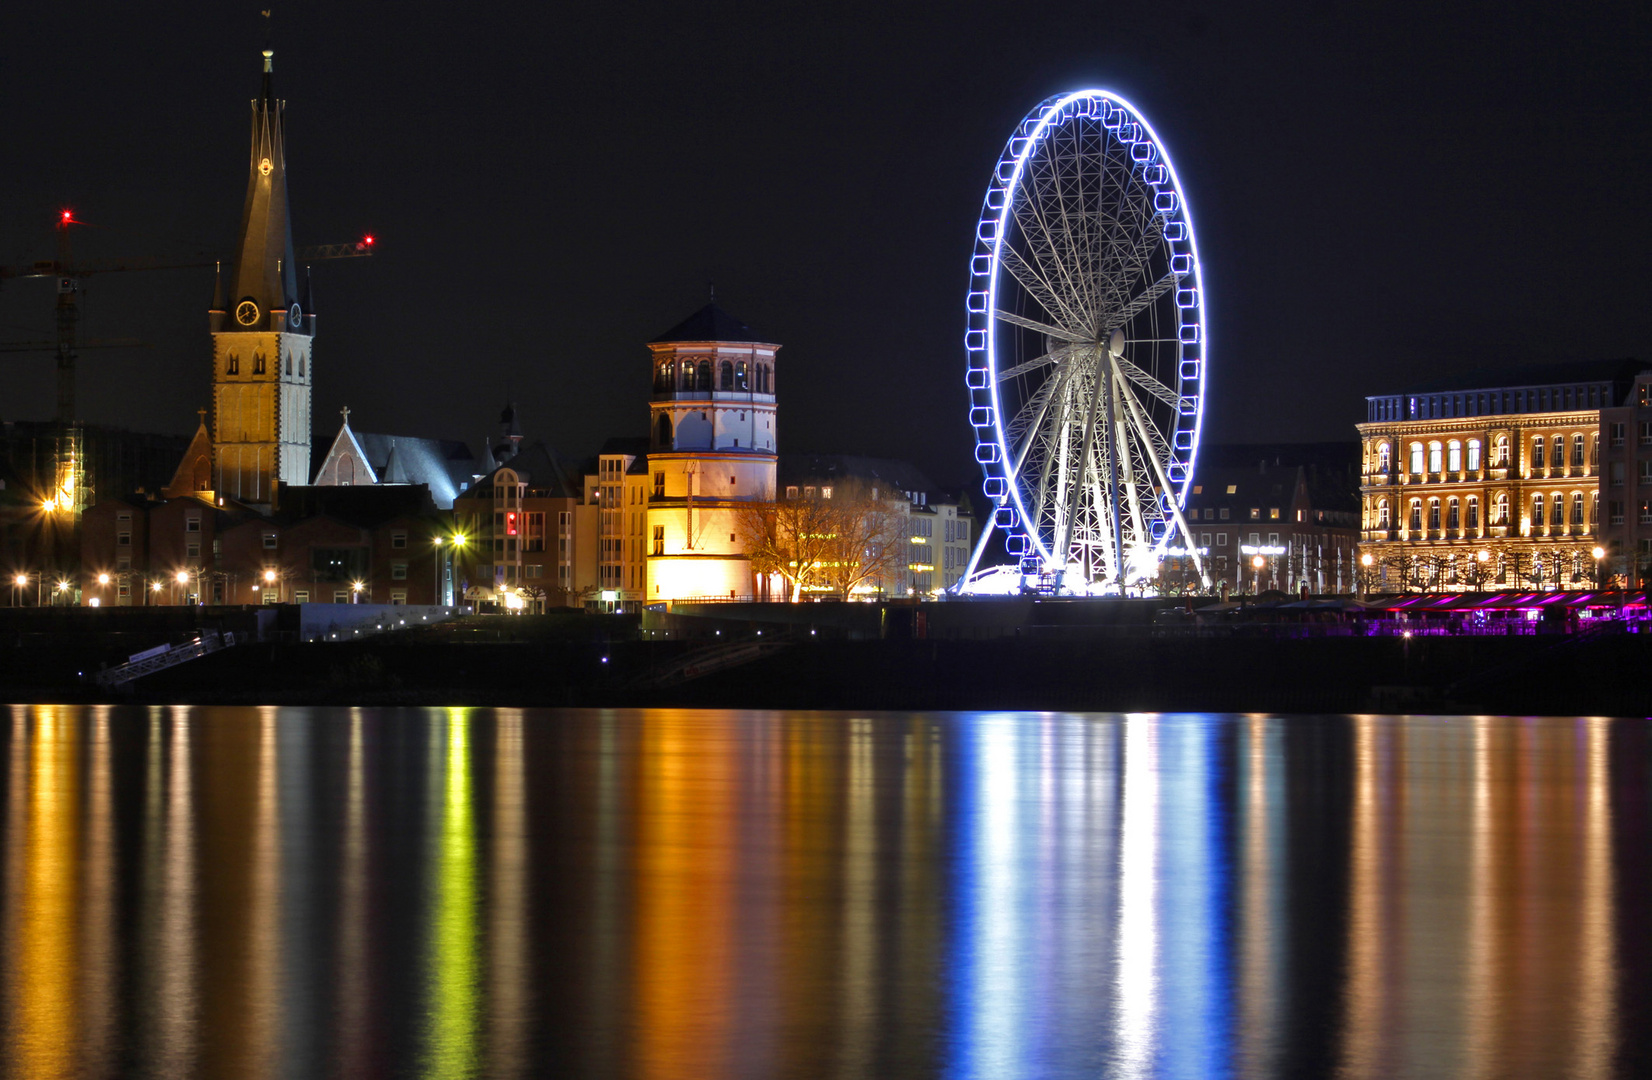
[103, 579]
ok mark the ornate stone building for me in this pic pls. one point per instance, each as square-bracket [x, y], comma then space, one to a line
[1486, 483]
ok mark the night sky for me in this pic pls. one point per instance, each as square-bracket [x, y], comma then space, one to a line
[1381, 195]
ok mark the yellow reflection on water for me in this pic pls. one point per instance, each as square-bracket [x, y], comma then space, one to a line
[44, 1011]
[450, 1036]
[350, 1033]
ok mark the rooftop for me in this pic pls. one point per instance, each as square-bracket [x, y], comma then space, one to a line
[710, 323]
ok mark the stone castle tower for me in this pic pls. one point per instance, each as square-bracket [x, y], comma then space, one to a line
[262, 330]
[712, 440]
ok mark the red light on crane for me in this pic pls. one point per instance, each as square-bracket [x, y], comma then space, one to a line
[68, 216]
[368, 240]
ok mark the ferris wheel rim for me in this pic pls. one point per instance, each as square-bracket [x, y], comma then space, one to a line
[996, 454]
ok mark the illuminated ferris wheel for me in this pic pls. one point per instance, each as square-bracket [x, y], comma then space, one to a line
[1087, 350]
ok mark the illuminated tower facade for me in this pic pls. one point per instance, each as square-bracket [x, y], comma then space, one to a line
[711, 447]
[262, 330]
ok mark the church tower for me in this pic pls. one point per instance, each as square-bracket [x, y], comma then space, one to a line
[261, 332]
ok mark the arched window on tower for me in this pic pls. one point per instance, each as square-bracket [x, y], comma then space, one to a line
[688, 375]
[232, 366]
[702, 376]
[289, 364]
[740, 382]
[725, 376]
[662, 377]
[662, 432]
[258, 364]
[300, 365]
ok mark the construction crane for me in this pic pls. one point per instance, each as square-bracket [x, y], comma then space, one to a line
[70, 489]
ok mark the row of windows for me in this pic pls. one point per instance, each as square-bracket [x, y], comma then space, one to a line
[731, 375]
[1614, 512]
[1457, 456]
[1491, 402]
[232, 364]
[1614, 472]
[1618, 433]
[1466, 513]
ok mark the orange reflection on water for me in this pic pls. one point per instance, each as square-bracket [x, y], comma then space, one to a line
[685, 858]
[1485, 947]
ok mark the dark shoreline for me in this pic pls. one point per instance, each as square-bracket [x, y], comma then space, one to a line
[1532, 675]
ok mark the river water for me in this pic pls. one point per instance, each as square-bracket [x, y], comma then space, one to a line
[244, 892]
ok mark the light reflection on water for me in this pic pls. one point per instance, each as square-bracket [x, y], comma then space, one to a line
[253, 892]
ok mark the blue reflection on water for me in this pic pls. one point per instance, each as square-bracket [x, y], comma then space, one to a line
[1090, 930]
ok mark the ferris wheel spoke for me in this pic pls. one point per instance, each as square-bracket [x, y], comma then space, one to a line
[1143, 302]
[1051, 357]
[1148, 382]
[1043, 328]
[1040, 289]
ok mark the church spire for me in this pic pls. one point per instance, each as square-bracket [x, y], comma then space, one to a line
[264, 277]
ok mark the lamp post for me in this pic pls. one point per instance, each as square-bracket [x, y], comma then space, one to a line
[453, 554]
[1257, 562]
[182, 579]
[355, 591]
[271, 582]
[1600, 564]
[18, 584]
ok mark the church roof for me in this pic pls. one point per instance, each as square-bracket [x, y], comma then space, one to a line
[710, 323]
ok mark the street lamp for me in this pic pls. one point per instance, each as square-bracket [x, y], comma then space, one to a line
[355, 591]
[1257, 563]
[18, 583]
[1600, 554]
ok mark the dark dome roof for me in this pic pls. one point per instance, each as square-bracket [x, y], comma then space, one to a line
[710, 323]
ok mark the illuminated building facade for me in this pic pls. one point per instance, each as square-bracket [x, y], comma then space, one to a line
[934, 530]
[1285, 512]
[262, 330]
[712, 439]
[1485, 483]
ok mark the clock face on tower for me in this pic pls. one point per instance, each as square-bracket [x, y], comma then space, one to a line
[295, 316]
[246, 313]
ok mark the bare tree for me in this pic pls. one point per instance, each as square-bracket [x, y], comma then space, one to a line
[787, 538]
[864, 541]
